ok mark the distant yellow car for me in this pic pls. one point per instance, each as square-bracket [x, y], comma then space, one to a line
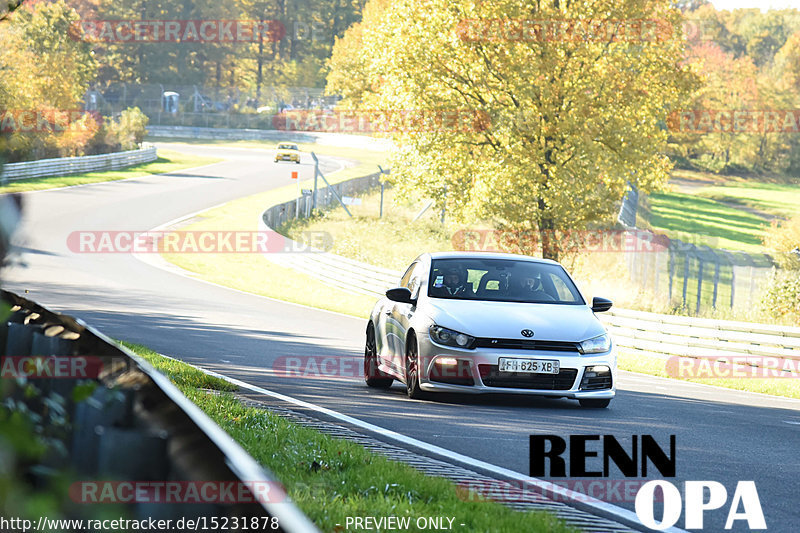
[288, 152]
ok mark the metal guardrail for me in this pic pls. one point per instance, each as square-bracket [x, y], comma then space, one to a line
[629, 208]
[75, 165]
[334, 269]
[137, 425]
[642, 332]
[669, 335]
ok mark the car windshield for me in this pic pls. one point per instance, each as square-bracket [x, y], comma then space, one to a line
[504, 280]
[286, 146]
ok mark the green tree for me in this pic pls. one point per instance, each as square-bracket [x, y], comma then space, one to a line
[572, 119]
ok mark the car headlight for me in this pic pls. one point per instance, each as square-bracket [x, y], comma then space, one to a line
[448, 337]
[599, 344]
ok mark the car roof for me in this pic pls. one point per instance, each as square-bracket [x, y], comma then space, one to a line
[488, 255]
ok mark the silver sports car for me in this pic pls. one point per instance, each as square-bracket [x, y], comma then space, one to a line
[487, 322]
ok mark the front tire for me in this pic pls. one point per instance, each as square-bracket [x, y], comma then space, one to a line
[372, 375]
[412, 370]
[595, 403]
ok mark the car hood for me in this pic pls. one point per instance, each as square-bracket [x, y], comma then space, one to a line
[506, 320]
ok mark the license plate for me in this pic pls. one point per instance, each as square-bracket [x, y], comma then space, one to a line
[529, 366]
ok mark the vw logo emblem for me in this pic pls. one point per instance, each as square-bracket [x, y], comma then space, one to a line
[527, 333]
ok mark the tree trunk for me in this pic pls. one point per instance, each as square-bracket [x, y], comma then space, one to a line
[547, 233]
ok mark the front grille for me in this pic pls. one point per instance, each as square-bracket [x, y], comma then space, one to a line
[527, 344]
[492, 377]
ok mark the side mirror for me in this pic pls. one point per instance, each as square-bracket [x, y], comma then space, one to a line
[401, 295]
[601, 304]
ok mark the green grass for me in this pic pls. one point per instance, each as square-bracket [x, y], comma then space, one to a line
[251, 272]
[705, 221]
[183, 375]
[168, 161]
[392, 241]
[330, 479]
[728, 212]
[787, 387]
[778, 199]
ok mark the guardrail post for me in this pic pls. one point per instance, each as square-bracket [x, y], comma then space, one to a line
[686, 274]
[330, 188]
[716, 279]
[732, 260]
[316, 173]
[671, 262]
[382, 171]
[699, 283]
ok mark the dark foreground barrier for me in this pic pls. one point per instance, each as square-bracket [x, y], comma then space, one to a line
[126, 434]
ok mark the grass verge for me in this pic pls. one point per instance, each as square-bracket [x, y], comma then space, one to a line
[722, 211]
[787, 387]
[168, 161]
[700, 220]
[254, 273]
[392, 241]
[331, 479]
[183, 375]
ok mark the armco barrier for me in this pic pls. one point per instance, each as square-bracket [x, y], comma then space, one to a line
[669, 335]
[136, 425]
[649, 334]
[334, 269]
[75, 165]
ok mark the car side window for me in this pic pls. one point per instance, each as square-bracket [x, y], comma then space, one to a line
[407, 276]
[564, 294]
[414, 282]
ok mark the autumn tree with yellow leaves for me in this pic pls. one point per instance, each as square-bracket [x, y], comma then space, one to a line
[575, 96]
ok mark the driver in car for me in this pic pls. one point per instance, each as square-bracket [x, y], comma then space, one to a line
[455, 283]
[531, 287]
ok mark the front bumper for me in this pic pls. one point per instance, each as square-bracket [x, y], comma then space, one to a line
[480, 365]
[287, 157]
